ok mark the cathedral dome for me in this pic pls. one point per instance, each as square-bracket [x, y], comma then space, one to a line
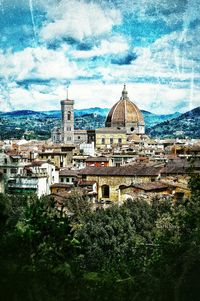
[125, 114]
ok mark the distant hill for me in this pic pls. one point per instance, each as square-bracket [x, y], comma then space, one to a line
[152, 119]
[21, 113]
[80, 112]
[95, 110]
[52, 114]
[38, 125]
[185, 125]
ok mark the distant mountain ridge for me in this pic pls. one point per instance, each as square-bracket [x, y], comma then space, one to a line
[20, 113]
[184, 125]
[150, 118]
[38, 124]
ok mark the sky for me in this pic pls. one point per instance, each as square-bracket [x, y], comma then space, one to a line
[93, 47]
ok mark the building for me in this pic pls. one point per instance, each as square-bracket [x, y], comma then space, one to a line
[147, 191]
[68, 176]
[61, 156]
[37, 177]
[67, 126]
[2, 188]
[126, 115]
[87, 149]
[123, 120]
[12, 164]
[110, 179]
[98, 161]
[110, 137]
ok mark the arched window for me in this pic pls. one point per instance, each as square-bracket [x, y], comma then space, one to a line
[105, 191]
[132, 129]
[68, 115]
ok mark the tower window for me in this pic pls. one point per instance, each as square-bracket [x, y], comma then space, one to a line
[69, 116]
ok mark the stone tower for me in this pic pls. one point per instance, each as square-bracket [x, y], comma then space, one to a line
[67, 127]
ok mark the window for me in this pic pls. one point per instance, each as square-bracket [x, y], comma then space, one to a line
[5, 170]
[69, 139]
[111, 140]
[67, 180]
[69, 128]
[5, 160]
[79, 137]
[69, 116]
[103, 141]
[13, 170]
[120, 140]
[62, 180]
[105, 191]
[132, 129]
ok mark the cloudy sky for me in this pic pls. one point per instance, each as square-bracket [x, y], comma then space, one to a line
[94, 47]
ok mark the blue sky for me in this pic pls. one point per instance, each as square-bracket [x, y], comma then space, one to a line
[94, 47]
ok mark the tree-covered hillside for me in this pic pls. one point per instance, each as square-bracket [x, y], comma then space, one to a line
[138, 251]
[38, 125]
[185, 125]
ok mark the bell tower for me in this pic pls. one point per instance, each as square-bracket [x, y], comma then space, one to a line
[67, 127]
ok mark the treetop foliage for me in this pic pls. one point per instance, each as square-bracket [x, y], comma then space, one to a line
[138, 251]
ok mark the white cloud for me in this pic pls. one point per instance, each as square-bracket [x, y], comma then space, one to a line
[160, 99]
[78, 20]
[114, 45]
[38, 63]
[157, 98]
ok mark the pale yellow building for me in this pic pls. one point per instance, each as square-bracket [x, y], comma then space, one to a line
[61, 156]
[109, 180]
[108, 137]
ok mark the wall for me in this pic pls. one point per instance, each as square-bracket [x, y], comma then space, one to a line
[114, 183]
[107, 136]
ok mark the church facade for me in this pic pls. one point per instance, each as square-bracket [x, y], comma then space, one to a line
[123, 120]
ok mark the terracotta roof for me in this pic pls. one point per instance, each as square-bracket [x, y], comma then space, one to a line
[38, 163]
[86, 183]
[61, 185]
[129, 170]
[175, 184]
[97, 159]
[123, 112]
[151, 186]
[174, 170]
[68, 172]
[181, 167]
